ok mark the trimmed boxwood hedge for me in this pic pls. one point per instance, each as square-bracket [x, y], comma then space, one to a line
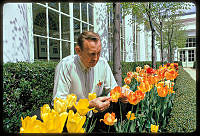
[28, 86]
[183, 114]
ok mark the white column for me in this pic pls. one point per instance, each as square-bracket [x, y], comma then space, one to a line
[30, 31]
[71, 29]
[142, 43]
[47, 24]
[129, 39]
[101, 27]
[60, 30]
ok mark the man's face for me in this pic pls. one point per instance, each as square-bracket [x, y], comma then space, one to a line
[90, 53]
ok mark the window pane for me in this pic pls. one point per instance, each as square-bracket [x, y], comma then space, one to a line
[64, 7]
[190, 39]
[40, 48]
[65, 27]
[84, 11]
[84, 27]
[194, 40]
[39, 20]
[53, 5]
[65, 49]
[76, 10]
[91, 21]
[53, 24]
[54, 49]
[76, 29]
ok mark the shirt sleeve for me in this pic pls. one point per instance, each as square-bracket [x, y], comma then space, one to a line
[110, 82]
[62, 81]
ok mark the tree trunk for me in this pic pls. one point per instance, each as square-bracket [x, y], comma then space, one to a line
[116, 44]
[153, 39]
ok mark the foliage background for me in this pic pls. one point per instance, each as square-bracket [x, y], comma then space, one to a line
[27, 87]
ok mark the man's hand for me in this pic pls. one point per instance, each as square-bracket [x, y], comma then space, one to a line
[100, 103]
[126, 92]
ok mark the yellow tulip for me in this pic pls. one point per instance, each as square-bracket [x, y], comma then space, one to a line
[130, 115]
[82, 107]
[44, 110]
[31, 125]
[154, 128]
[54, 122]
[92, 96]
[75, 123]
[60, 105]
[71, 100]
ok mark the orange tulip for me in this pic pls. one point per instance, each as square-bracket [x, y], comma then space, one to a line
[140, 94]
[130, 74]
[109, 119]
[162, 89]
[115, 93]
[171, 74]
[144, 86]
[138, 69]
[133, 99]
[127, 80]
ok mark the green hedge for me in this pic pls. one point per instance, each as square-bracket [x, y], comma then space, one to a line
[183, 114]
[26, 87]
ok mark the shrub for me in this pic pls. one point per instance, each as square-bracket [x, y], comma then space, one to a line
[26, 88]
[183, 114]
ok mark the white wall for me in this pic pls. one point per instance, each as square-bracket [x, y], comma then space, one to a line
[17, 33]
[101, 27]
[142, 43]
[129, 39]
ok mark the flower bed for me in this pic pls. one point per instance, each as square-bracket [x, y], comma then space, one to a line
[25, 83]
[152, 93]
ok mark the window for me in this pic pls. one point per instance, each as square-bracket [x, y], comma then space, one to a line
[191, 42]
[55, 51]
[43, 50]
[191, 55]
[83, 18]
[182, 56]
[52, 23]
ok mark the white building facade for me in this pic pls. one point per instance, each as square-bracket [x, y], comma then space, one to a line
[48, 31]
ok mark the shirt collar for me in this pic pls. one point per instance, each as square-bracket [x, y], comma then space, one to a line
[83, 66]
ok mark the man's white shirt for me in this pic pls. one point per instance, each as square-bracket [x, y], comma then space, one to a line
[71, 76]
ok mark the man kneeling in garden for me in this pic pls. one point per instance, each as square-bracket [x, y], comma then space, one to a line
[86, 73]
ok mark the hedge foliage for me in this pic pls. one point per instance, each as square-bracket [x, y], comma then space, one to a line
[28, 86]
[183, 114]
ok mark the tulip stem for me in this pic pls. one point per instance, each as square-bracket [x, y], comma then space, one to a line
[120, 111]
[129, 118]
[108, 128]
